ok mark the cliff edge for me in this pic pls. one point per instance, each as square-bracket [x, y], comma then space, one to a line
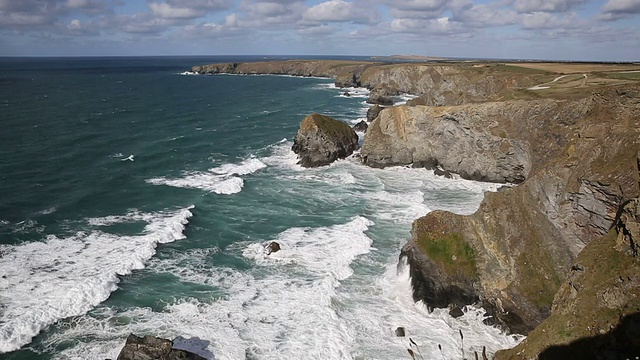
[513, 254]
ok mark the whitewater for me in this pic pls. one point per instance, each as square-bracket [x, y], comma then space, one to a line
[171, 241]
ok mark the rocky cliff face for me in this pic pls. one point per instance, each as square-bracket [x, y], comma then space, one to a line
[595, 314]
[321, 140]
[436, 84]
[513, 254]
[439, 85]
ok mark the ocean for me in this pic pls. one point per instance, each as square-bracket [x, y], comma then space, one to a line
[137, 198]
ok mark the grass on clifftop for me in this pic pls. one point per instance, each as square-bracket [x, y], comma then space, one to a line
[326, 124]
[451, 251]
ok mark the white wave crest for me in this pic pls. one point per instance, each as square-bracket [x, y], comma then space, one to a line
[220, 180]
[43, 282]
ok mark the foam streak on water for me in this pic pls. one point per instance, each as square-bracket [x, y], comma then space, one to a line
[220, 180]
[58, 278]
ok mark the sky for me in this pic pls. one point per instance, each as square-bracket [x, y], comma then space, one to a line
[584, 30]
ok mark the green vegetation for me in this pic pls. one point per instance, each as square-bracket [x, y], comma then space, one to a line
[450, 250]
[622, 75]
[330, 125]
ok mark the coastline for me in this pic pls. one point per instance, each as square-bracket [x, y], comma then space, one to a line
[516, 302]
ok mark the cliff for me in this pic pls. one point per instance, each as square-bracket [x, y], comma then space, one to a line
[514, 253]
[434, 83]
[556, 256]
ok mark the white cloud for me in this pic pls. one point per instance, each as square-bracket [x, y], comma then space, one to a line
[167, 11]
[543, 20]
[528, 6]
[485, 15]
[416, 5]
[619, 9]
[622, 6]
[339, 11]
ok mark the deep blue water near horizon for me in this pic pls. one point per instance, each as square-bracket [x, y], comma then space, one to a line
[137, 198]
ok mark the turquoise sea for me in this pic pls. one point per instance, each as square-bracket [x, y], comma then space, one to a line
[136, 198]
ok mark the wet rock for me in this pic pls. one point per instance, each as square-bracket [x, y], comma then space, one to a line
[400, 331]
[272, 247]
[440, 172]
[455, 312]
[361, 126]
[346, 93]
[149, 347]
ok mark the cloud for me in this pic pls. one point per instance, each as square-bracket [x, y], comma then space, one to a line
[339, 11]
[416, 5]
[486, 15]
[528, 6]
[186, 9]
[618, 9]
[167, 11]
[543, 20]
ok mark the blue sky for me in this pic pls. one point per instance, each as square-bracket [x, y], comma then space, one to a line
[606, 30]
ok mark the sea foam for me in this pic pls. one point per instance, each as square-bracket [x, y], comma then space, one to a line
[43, 282]
[220, 180]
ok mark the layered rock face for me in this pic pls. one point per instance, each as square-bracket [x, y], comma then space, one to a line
[512, 255]
[595, 314]
[322, 140]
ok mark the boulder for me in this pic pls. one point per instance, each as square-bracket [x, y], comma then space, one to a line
[150, 347]
[361, 126]
[400, 331]
[321, 140]
[346, 93]
[373, 112]
[272, 247]
[376, 98]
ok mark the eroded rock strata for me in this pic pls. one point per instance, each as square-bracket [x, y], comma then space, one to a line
[512, 255]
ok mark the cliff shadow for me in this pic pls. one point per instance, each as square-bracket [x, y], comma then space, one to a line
[621, 343]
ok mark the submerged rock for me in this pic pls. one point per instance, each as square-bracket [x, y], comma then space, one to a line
[322, 140]
[150, 347]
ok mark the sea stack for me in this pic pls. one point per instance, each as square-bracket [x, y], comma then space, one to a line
[322, 140]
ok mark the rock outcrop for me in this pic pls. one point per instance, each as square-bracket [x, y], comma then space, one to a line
[596, 312]
[153, 348]
[373, 112]
[321, 140]
[513, 254]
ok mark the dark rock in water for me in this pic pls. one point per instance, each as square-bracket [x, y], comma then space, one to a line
[272, 247]
[373, 112]
[322, 140]
[379, 99]
[440, 172]
[149, 347]
[346, 93]
[400, 331]
[361, 126]
[455, 312]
